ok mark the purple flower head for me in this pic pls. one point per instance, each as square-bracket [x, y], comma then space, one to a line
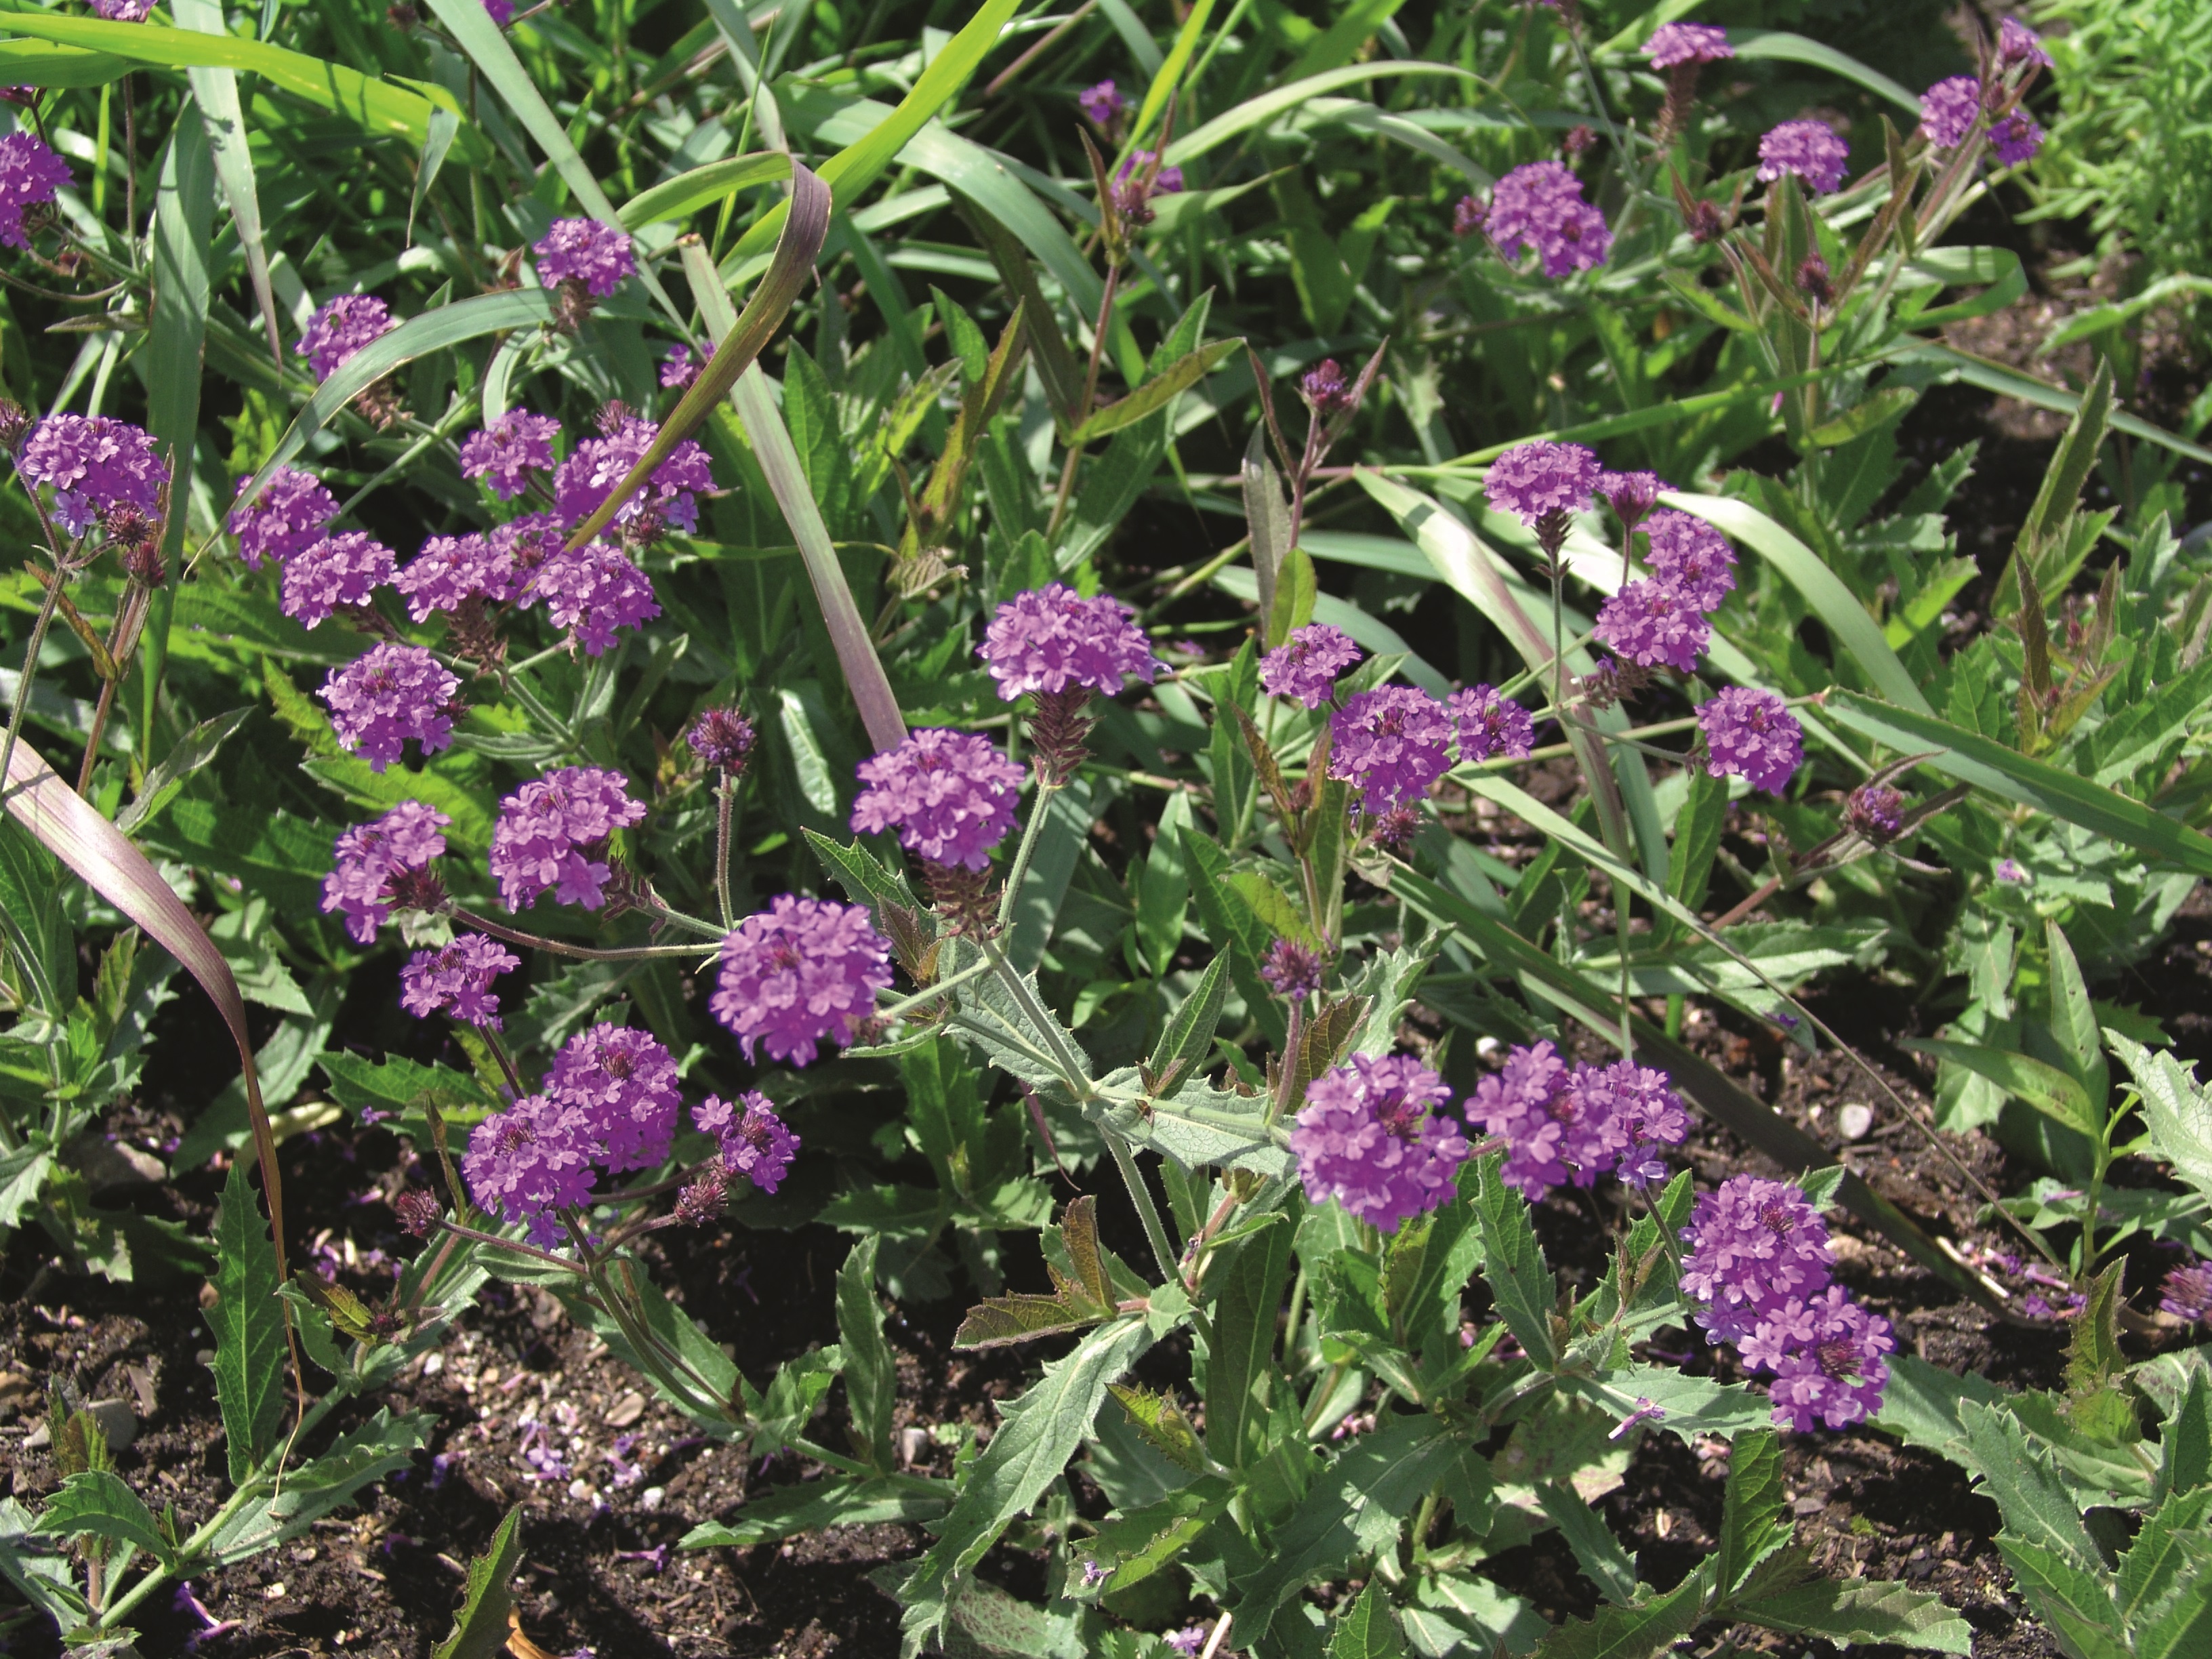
[337, 572]
[1751, 731]
[342, 328]
[798, 972]
[1369, 1139]
[1874, 812]
[1949, 110]
[1101, 105]
[548, 831]
[1533, 481]
[1539, 205]
[457, 980]
[451, 570]
[593, 593]
[1691, 556]
[1560, 1126]
[1325, 389]
[2009, 870]
[1489, 725]
[1651, 624]
[1394, 742]
[506, 452]
[365, 858]
[678, 371]
[585, 250]
[1632, 494]
[1469, 216]
[2015, 138]
[395, 692]
[623, 1082]
[1810, 149]
[532, 1159]
[589, 475]
[1515, 1102]
[1051, 640]
[288, 517]
[1292, 970]
[2018, 44]
[1833, 1372]
[93, 466]
[30, 173]
[1168, 182]
[722, 737]
[1306, 667]
[123, 11]
[756, 1143]
[951, 795]
[1189, 1641]
[2187, 1293]
[501, 12]
[1754, 1244]
[1686, 43]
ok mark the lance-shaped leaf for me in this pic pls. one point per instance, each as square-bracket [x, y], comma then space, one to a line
[2059, 495]
[1161, 1422]
[2046, 1088]
[1513, 1263]
[687, 192]
[1754, 1519]
[1086, 1299]
[249, 1329]
[1788, 1595]
[871, 1370]
[1187, 1039]
[979, 401]
[1158, 392]
[480, 1626]
[2175, 1105]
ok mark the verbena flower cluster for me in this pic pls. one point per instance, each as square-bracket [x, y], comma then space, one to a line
[1749, 731]
[585, 250]
[951, 795]
[1537, 480]
[95, 465]
[1371, 1137]
[1490, 725]
[1052, 640]
[30, 173]
[1539, 205]
[1760, 1264]
[366, 858]
[394, 693]
[1562, 1125]
[550, 833]
[1686, 43]
[334, 573]
[505, 453]
[1809, 150]
[456, 980]
[590, 475]
[340, 329]
[800, 973]
[289, 516]
[1393, 742]
[754, 1141]
[1305, 670]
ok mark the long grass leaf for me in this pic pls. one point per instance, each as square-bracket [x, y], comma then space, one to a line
[216, 90]
[687, 192]
[43, 63]
[1258, 111]
[2007, 383]
[1779, 45]
[1169, 75]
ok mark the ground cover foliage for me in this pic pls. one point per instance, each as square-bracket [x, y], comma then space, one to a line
[911, 617]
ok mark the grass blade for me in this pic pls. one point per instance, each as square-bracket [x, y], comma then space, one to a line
[687, 192]
[1782, 47]
[1258, 111]
[42, 63]
[217, 91]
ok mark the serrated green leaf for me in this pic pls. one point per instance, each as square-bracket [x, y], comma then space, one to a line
[1634, 1632]
[1688, 1406]
[1368, 1629]
[871, 1370]
[2050, 1090]
[2185, 1441]
[1754, 1523]
[1187, 1039]
[1249, 1278]
[1160, 1421]
[786, 1511]
[97, 1501]
[2017, 1473]
[480, 1627]
[2174, 1105]
[249, 1327]
[1596, 1550]
[2157, 1558]
[1854, 1611]
[1132, 1546]
[368, 1453]
[2180, 1626]
[2074, 1602]
[1513, 1264]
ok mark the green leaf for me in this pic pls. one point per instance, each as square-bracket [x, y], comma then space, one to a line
[704, 186]
[1260, 111]
[1188, 1040]
[184, 214]
[2074, 1022]
[1754, 1522]
[45, 1581]
[2073, 1600]
[1878, 410]
[1135, 1546]
[2046, 1088]
[2174, 1106]
[1355, 1505]
[2018, 1475]
[1987, 764]
[2184, 1446]
[1158, 392]
[1788, 48]
[1632, 1633]
[2159, 1558]
[1085, 1298]
[786, 1511]
[1989, 377]
[1689, 1405]
[368, 1453]
[1697, 842]
[1368, 1629]
[96, 1501]
[1513, 1264]
[1596, 1550]
[871, 1370]
[1856, 1611]
[1295, 596]
[2060, 494]
[1038, 1433]
[1160, 1421]
[1249, 1278]
[192, 751]
[249, 1327]
[480, 1626]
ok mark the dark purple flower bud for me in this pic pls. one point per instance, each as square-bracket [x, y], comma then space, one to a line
[1292, 970]
[419, 1211]
[1579, 141]
[1324, 387]
[722, 737]
[1467, 216]
[1815, 282]
[1395, 829]
[702, 1199]
[1875, 813]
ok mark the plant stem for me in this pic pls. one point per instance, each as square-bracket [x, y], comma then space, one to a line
[1018, 871]
[562, 948]
[1155, 1232]
[725, 811]
[906, 1005]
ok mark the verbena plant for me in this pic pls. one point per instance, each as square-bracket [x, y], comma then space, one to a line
[803, 700]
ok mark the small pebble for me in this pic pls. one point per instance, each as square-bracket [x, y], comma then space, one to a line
[1855, 1120]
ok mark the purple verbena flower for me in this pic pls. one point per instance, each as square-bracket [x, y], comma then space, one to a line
[1369, 1138]
[2187, 1293]
[1489, 725]
[755, 1142]
[1393, 742]
[1643, 1104]
[1189, 1641]
[1835, 1374]
[30, 173]
[457, 980]
[288, 517]
[450, 570]
[395, 692]
[501, 12]
[365, 858]
[678, 371]
[1691, 556]
[1291, 969]
[1653, 623]
[93, 466]
[1469, 216]
[798, 972]
[1536, 480]
[1632, 494]
[1686, 43]
[1306, 667]
[1539, 205]
[2015, 138]
[337, 572]
[549, 832]
[1515, 1103]
[623, 1082]
[507, 451]
[1562, 1126]
[721, 738]
[951, 795]
[1809, 149]
[1101, 105]
[593, 593]
[1750, 731]
[532, 1159]
[585, 250]
[2018, 44]
[1753, 1245]
[1949, 109]
[123, 11]
[341, 329]
[589, 475]
[1050, 640]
